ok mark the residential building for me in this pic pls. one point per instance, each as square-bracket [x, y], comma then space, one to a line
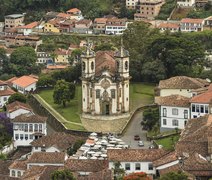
[56, 142]
[75, 14]
[5, 93]
[172, 27]
[135, 160]
[21, 40]
[200, 3]
[50, 15]
[131, 4]
[174, 112]
[13, 20]
[62, 56]
[27, 127]
[83, 26]
[180, 85]
[63, 16]
[115, 26]
[186, 3]
[67, 25]
[18, 168]
[149, 9]
[17, 108]
[52, 26]
[25, 84]
[99, 25]
[201, 104]
[44, 58]
[27, 29]
[208, 23]
[191, 25]
[85, 167]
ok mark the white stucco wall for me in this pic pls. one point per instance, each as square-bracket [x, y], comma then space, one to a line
[3, 100]
[144, 167]
[170, 117]
[16, 172]
[24, 89]
[182, 92]
[195, 114]
[18, 112]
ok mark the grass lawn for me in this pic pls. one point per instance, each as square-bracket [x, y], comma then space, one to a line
[141, 94]
[73, 109]
[168, 142]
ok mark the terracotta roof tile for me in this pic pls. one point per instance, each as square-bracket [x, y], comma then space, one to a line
[204, 98]
[24, 81]
[100, 20]
[87, 165]
[30, 118]
[17, 105]
[84, 21]
[189, 20]
[62, 140]
[73, 10]
[7, 92]
[169, 25]
[29, 26]
[105, 174]
[135, 155]
[19, 164]
[47, 157]
[170, 157]
[174, 100]
[183, 82]
[173, 168]
[9, 81]
[63, 15]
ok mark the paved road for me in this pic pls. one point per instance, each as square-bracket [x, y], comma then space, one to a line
[135, 128]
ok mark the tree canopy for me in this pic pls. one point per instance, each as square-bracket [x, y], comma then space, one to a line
[17, 97]
[174, 176]
[62, 175]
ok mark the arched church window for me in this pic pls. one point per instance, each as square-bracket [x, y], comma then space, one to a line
[83, 66]
[126, 65]
[92, 65]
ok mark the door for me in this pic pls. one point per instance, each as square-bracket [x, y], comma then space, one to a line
[106, 108]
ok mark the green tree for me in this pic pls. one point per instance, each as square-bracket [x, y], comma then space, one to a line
[150, 118]
[63, 92]
[104, 47]
[76, 146]
[17, 97]
[174, 176]
[62, 175]
[45, 81]
[118, 171]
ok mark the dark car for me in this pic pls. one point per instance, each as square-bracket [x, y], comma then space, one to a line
[136, 138]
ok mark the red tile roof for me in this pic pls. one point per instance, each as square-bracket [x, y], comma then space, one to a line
[63, 15]
[17, 105]
[204, 98]
[19, 164]
[170, 157]
[189, 20]
[7, 92]
[30, 119]
[174, 100]
[29, 26]
[73, 10]
[169, 25]
[100, 20]
[24, 81]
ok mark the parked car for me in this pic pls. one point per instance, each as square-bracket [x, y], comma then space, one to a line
[136, 137]
[140, 143]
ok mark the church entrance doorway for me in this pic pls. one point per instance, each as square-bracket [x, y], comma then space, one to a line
[106, 108]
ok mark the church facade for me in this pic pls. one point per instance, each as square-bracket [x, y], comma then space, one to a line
[105, 82]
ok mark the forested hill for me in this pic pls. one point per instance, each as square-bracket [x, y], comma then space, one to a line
[36, 8]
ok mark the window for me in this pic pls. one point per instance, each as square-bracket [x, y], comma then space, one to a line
[197, 108]
[26, 127]
[174, 111]
[185, 122]
[175, 122]
[26, 137]
[113, 93]
[164, 122]
[40, 127]
[164, 112]
[35, 128]
[5, 98]
[202, 109]
[13, 173]
[21, 136]
[92, 65]
[206, 108]
[16, 136]
[30, 127]
[97, 93]
[185, 114]
[30, 136]
[83, 66]
[137, 166]
[127, 166]
[193, 108]
[150, 166]
[126, 65]
[19, 174]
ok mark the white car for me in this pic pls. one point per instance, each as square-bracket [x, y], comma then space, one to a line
[140, 143]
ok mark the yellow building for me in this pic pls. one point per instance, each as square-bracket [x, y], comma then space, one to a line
[62, 56]
[52, 26]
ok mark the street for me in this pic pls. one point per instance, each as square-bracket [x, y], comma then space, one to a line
[135, 128]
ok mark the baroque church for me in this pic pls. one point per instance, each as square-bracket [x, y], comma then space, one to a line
[105, 82]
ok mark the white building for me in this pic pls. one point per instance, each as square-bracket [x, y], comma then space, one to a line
[5, 93]
[131, 4]
[115, 26]
[27, 128]
[16, 108]
[27, 29]
[75, 14]
[174, 112]
[201, 104]
[105, 83]
[44, 58]
[17, 168]
[191, 25]
[135, 160]
[181, 85]
[172, 27]
[186, 3]
[25, 84]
